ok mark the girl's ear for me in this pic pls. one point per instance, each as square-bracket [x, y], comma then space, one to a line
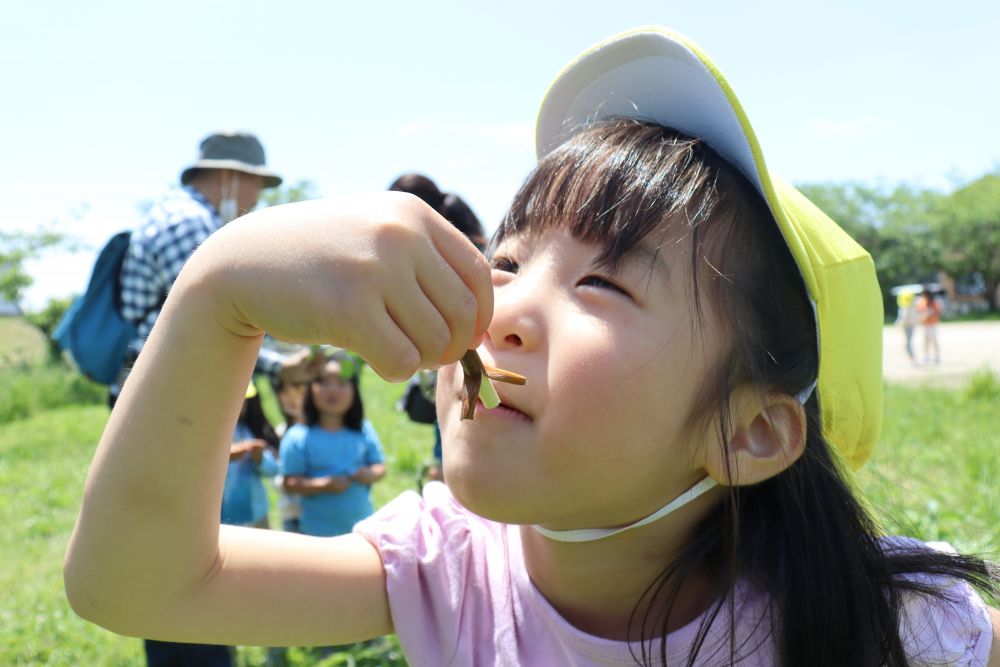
[768, 435]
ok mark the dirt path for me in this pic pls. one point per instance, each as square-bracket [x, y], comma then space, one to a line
[965, 347]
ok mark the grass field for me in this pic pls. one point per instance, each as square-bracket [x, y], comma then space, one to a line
[20, 342]
[936, 473]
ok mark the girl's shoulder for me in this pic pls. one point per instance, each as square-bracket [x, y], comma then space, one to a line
[295, 433]
[432, 531]
[951, 626]
[432, 514]
[369, 432]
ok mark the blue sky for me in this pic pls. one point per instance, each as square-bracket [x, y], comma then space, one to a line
[105, 102]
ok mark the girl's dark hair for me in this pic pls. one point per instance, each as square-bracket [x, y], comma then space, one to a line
[355, 414]
[835, 590]
[253, 416]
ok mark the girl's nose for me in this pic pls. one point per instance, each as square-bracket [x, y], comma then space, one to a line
[517, 321]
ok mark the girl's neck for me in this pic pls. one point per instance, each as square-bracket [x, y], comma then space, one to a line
[331, 422]
[597, 586]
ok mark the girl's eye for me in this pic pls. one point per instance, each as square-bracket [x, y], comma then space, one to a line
[503, 264]
[602, 283]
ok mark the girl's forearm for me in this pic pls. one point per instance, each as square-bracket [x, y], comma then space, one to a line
[313, 486]
[369, 474]
[148, 527]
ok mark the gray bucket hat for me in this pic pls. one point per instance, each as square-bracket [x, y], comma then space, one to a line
[240, 151]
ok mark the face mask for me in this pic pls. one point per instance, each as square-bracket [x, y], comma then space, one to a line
[228, 209]
[592, 534]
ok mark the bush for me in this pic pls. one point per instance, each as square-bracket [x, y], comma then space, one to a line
[26, 389]
[46, 320]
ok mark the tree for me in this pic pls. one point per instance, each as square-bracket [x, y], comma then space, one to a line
[894, 225]
[15, 249]
[46, 320]
[968, 224]
[286, 194]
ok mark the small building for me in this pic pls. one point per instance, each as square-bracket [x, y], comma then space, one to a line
[9, 309]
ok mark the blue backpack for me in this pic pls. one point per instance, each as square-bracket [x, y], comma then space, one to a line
[92, 330]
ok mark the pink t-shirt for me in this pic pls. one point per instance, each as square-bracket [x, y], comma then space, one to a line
[459, 594]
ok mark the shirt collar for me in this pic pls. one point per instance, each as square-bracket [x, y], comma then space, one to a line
[196, 195]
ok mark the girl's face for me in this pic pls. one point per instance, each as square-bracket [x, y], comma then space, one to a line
[597, 436]
[332, 394]
[291, 397]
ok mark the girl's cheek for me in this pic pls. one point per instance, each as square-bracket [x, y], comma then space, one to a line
[446, 382]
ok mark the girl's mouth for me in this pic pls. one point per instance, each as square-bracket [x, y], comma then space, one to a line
[502, 411]
[476, 376]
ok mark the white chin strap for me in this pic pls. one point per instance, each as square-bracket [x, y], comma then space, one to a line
[592, 534]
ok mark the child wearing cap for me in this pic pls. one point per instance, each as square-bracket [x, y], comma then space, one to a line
[671, 486]
[251, 458]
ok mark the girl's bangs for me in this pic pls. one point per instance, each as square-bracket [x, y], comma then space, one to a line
[613, 184]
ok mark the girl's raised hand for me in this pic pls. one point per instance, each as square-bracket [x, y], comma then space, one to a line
[382, 275]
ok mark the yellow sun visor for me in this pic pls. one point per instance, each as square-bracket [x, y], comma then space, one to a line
[657, 75]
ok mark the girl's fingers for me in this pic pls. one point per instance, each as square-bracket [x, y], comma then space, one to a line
[386, 347]
[454, 302]
[420, 320]
[471, 268]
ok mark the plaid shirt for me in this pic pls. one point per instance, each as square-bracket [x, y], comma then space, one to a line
[162, 242]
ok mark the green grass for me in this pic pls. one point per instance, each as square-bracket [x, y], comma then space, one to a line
[936, 472]
[29, 383]
[43, 462]
[27, 389]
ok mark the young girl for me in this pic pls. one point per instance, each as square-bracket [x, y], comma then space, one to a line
[671, 486]
[333, 459]
[291, 397]
[251, 457]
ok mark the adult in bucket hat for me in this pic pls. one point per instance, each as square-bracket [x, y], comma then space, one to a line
[237, 151]
[223, 182]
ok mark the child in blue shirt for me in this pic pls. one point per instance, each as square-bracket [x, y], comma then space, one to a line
[251, 458]
[333, 459]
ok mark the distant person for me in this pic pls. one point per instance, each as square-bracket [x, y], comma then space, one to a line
[332, 460]
[252, 457]
[421, 186]
[930, 308]
[418, 402]
[908, 316]
[222, 184]
[291, 400]
[458, 213]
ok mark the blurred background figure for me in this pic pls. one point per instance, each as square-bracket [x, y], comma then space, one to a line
[929, 307]
[458, 213]
[418, 401]
[291, 400]
[908, 316]
[223, 183]
[332, 459]
[252, 456]
[421, 186]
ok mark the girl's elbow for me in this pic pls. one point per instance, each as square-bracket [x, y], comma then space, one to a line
[104, 599]
[94, 601]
